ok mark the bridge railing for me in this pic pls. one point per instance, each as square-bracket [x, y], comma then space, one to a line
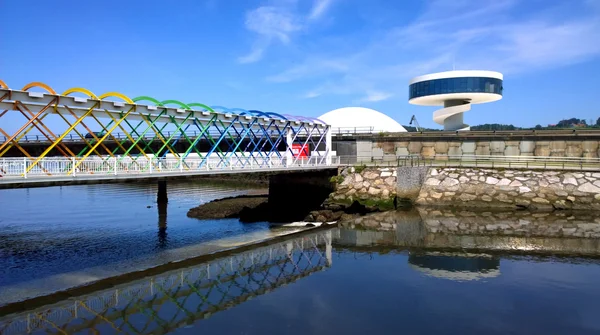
[527, 162]
[149, 136]
[91, 167]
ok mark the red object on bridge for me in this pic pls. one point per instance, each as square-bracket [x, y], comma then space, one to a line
[300, 151]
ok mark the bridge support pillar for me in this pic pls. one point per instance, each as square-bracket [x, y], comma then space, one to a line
[161, 195]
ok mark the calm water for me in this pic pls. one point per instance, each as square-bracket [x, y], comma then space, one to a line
[92, 231]
[385, 274]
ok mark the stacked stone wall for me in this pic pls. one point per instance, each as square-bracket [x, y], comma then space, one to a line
[385, 150]
[510, 188]
[369, 186]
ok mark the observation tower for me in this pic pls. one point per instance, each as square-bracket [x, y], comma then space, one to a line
[456, 91]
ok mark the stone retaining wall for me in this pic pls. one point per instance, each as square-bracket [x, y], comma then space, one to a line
[477, 187]
[369, 186]
[390, 150]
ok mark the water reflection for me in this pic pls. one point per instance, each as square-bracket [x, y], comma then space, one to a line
[569, 233]
[162, 224]
[176, 298]
[455, 266]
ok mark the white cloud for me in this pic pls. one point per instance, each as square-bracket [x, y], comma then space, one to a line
[493, 35]
[319, 9]
[271, 24]
[374, 96]
[277, 23]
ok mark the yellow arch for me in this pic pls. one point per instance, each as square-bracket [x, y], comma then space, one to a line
[3, 84]
[39, 84]
[117, 95]
[80, 90]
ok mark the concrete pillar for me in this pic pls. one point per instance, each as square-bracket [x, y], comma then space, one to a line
[289, 155]
[328, 145]
[161, 195]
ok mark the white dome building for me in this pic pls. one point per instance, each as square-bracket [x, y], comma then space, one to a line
[359, 120]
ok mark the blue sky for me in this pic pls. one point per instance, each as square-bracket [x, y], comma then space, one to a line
[307, 57]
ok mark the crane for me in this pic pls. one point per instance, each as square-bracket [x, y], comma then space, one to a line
[414, 119]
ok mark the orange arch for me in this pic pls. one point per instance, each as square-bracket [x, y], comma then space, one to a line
[3, 84]
[39, 84]
[117, 95]
[81, 90]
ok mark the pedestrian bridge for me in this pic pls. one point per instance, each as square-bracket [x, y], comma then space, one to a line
[85, 137]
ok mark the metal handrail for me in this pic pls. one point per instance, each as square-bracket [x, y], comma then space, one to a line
[528, 162]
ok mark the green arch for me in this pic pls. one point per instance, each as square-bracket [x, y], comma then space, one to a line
[146, 98]
[176, 102]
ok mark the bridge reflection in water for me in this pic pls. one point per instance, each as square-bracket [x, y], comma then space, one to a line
[162, 303]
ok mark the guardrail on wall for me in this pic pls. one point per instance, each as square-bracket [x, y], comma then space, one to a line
[527, 162]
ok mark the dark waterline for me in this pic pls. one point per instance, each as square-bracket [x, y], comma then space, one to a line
[48, 231]
[386, 274]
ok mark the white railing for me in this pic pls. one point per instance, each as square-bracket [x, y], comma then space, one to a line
[102, 167]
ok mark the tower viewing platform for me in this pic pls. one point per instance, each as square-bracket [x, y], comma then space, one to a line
[456, 91]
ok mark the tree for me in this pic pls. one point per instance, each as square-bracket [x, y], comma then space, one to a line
[598, 122]
[538, 126]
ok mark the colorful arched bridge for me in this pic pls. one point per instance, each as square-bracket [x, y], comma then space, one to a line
[81, 135]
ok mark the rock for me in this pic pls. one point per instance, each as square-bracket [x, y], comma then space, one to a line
[436, 195]
[578, 175]
[597, 197]
[596, 175]
[390, 181]
[486, 198]
[571, 198]
[449, 182]
[453, 175]
[521, 178]
[589, 188]
[529, 195]
[358, 178]
[432, 182]
[561, 193]
[482, 178]
[394, 174]
[351, 192]
[516, 183]
[568, 231]
[522, 203]
[463, 179]
[491, 181]
[386, 174]
[371, 175]
[504, 182]
[540, 201]
[543, 183]
[358, 185]
[434, 172]
[467, 197]
[524, 189]
[385, 194]
[374, 191]
[449, 194]
[570, 180]
[553, 180]
[378, 182]
[366, 184]
[504, 198]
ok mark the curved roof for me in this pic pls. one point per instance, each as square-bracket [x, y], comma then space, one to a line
[361, 118]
